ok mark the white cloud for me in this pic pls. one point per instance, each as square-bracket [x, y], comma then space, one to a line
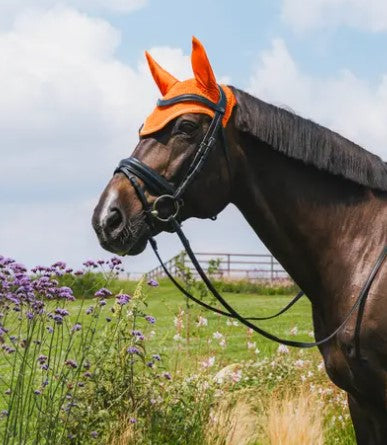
[345, 103]
[370, 15]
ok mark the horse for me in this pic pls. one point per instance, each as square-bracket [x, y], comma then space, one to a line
[317, 201]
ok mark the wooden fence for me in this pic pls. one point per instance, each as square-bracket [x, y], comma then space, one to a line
[246, 266]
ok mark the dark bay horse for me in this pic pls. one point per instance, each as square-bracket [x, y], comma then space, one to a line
[317, 201]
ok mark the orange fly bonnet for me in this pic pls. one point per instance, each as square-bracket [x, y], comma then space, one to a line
[203, 84]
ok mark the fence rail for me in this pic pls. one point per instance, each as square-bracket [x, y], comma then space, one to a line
[247, 266]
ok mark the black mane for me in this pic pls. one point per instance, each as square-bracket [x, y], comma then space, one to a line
[309, 142]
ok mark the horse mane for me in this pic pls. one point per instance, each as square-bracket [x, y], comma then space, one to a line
[311, 143]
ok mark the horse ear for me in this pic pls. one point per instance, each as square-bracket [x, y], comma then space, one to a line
[163, 79]
[201, 68]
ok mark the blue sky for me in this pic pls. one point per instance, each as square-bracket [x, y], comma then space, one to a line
[75, 89]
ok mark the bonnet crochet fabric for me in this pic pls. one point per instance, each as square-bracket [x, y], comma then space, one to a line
[203, 84]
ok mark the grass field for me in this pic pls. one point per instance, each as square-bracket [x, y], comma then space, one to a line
[220, 383]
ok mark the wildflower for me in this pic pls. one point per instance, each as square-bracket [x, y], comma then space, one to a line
[71, 364]
[132, 420]
[152, 283]
[123, 299]
[167, 375]
[299, 363]
[62, 312]
[7, 392]
[311, 334]
[138, 334]
[209, 362]
[222, 343]
[257, 351]
[150, 364]
[320, 366]
[103, 292]
[156, 357]
[44, 367]
[81, 384]
[89, 310]
[283, 349]
[251, 345]
[76, 327]
[4, 413]
[133, 350]
[236, 376]
[42, 359]
[217, 335]
[102, 303]
[58, 319]
[151, 334]
[37, 392]
[294, 330]
[108, 319]
[178, 337]
[150, 319]
[50, 329]
[94, 434]
[202, 321]
[29, 315]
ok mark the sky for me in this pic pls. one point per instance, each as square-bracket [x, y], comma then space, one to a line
[75, 89]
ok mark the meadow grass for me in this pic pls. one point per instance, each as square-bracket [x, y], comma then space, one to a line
[185, 379]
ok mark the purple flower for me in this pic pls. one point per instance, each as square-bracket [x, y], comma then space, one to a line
[102, 303]
[58, 319]
[103, 292]
[71, 364]
[76, 327]
[123, 299]
[150, 319]
[156, 357]
[167, 375]
[44, 367]
[150, 364]
[29, 315]
[61, 311]
[87, 374]
[81, 384]
[108, 319]
[90, 263]
[37, 392]
[89, 310]
[66, 293]
[50, 329]
[42, 359]
[152, 283]
[133, 350]
[94, 434]
[132, 420]
[59, 265]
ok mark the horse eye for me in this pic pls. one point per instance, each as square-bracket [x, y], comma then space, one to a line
[187, 127]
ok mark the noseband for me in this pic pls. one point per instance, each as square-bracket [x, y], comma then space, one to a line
[156, 184]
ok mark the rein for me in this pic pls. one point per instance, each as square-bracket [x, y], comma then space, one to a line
[156, 184]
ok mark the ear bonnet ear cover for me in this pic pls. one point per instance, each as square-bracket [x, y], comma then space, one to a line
[203, 84]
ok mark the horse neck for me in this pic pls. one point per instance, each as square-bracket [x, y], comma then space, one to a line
[316, 224]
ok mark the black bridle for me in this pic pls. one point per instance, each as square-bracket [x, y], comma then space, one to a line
[158, 186]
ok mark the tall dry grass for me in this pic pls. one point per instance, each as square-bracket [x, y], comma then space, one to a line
[293, 420]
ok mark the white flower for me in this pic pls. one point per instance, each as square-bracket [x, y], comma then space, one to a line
[236, 376]
[294, 330]
[299, 363]
[208, 363]
[311, 334]
[151, 334]
[222, 343]
[320, 366]
[217, 335]
[228, 322]
[202, 321]
[251, 345]
[178, 337]
[283, 349]
[257, 351]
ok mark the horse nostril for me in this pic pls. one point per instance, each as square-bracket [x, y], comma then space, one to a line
[113, 219]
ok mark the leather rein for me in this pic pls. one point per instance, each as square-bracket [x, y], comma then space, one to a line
[157, 185]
